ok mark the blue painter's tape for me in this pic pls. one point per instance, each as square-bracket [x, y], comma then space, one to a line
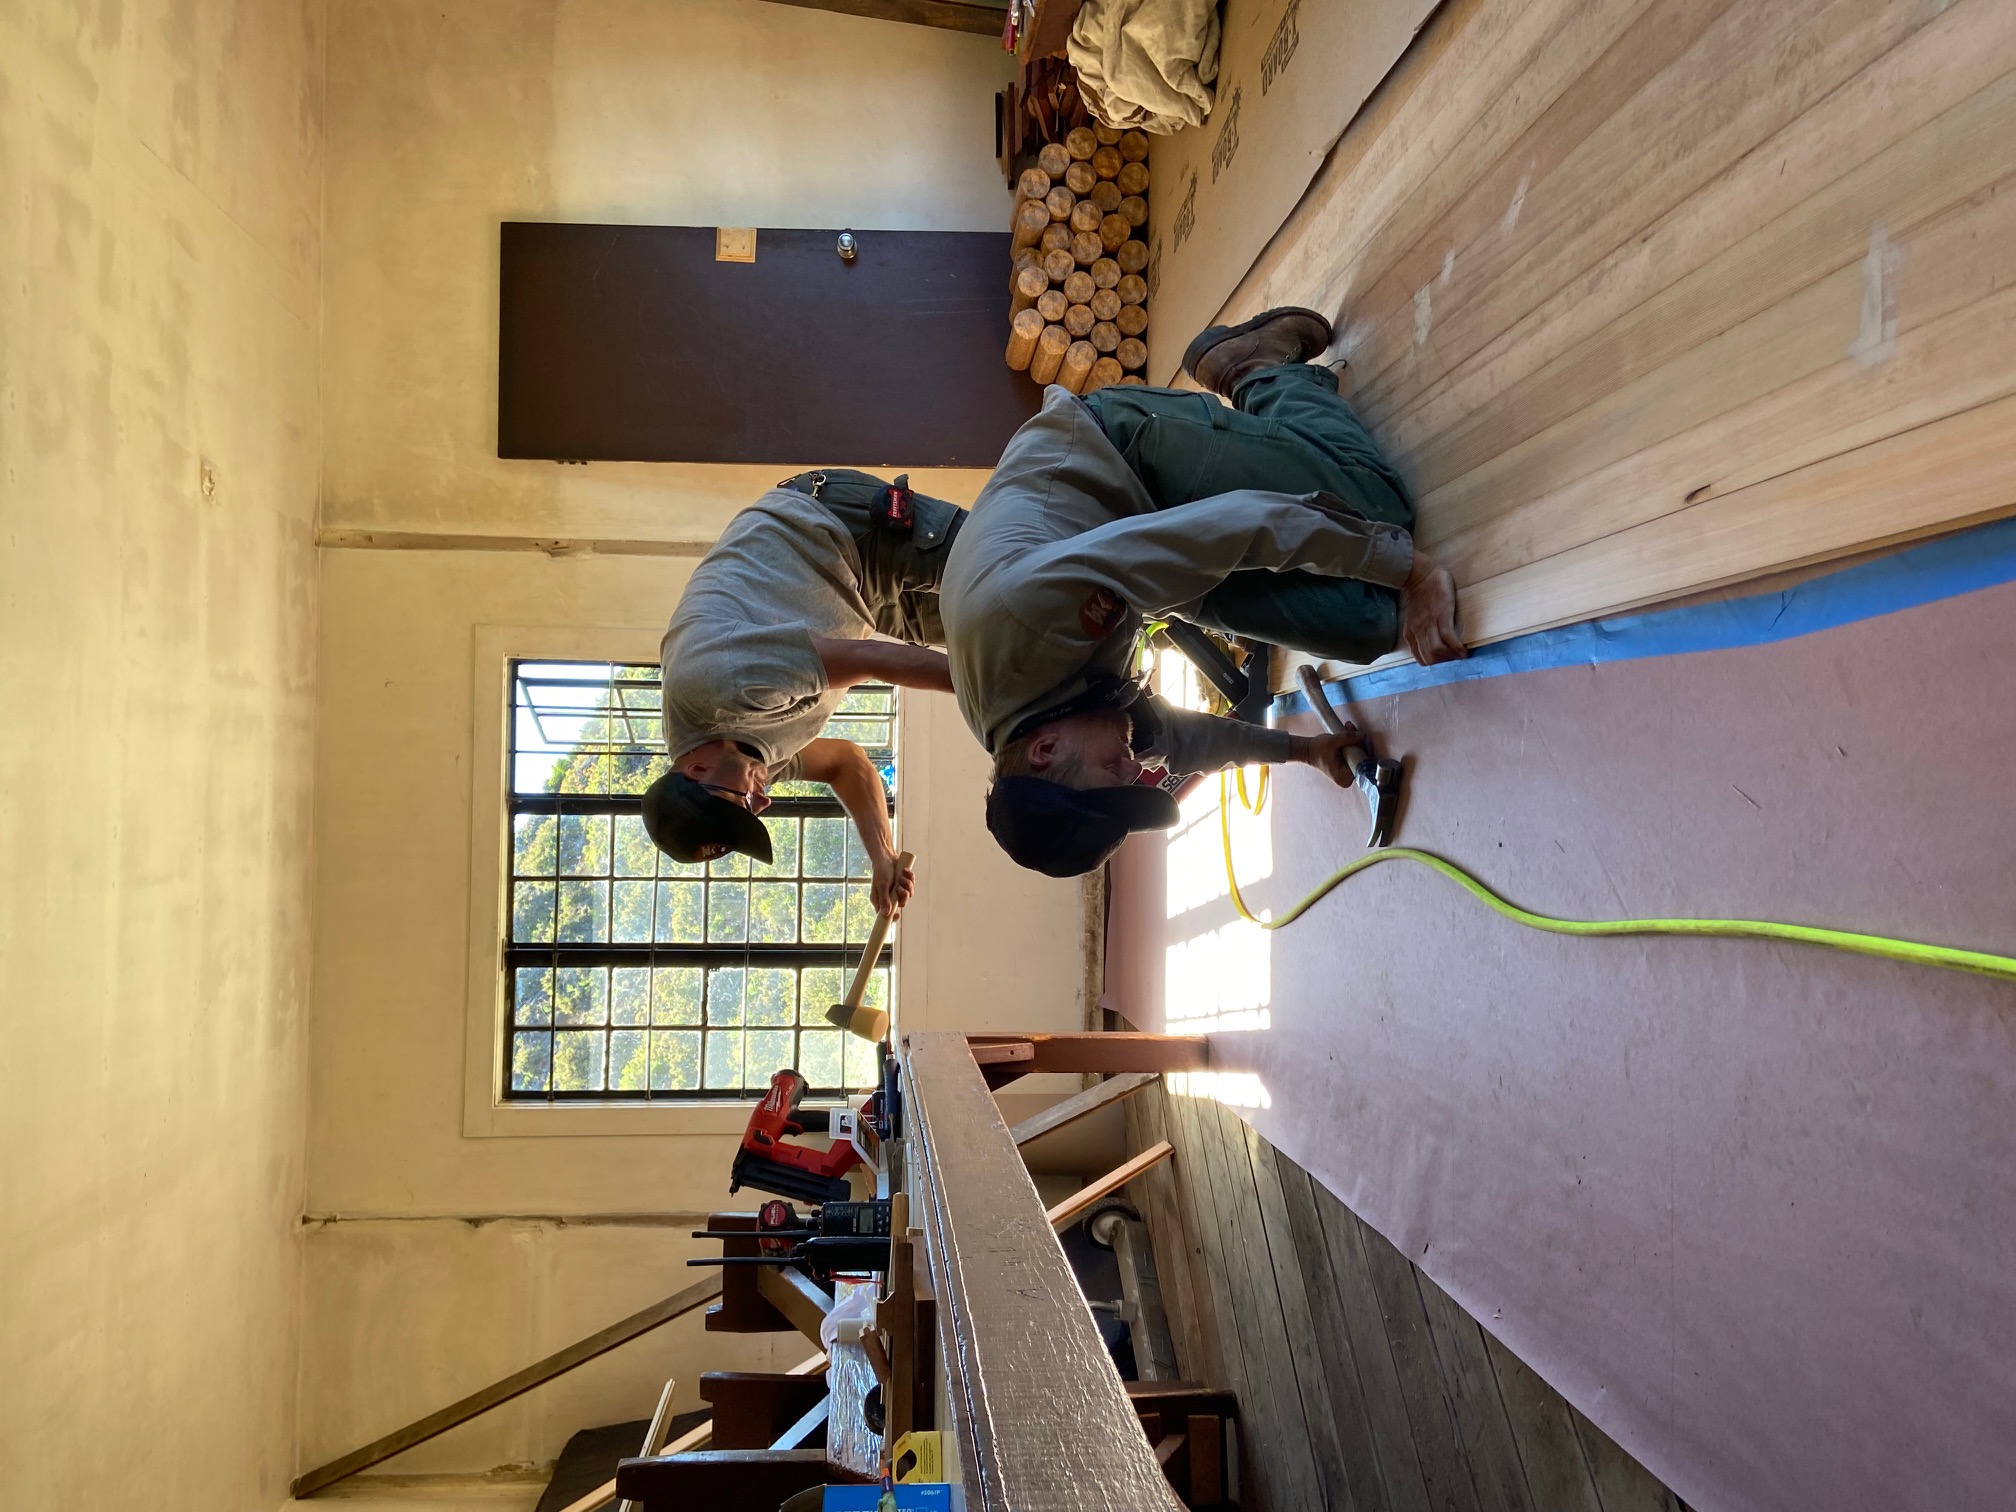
[1944, 568]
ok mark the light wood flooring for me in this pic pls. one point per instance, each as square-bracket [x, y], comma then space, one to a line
[1648, 296]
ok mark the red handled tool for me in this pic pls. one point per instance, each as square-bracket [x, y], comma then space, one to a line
[766, 1162]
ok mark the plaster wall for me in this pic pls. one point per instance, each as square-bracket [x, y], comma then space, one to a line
[696, 112]
[440, 1259]
[160, 203]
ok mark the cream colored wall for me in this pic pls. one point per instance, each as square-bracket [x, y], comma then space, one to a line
[160, 172]
[439, 1260]
[663, 112]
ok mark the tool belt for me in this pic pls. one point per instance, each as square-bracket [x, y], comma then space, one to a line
[893, 508]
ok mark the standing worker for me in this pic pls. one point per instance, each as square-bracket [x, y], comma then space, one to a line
[1276, 518]
[774, 626]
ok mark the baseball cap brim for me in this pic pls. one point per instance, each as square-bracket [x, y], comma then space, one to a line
[1067, 832]
[682, 818]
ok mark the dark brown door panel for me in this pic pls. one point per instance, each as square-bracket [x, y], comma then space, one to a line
[631, 343]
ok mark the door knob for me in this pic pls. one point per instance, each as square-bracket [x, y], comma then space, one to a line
[847, 248]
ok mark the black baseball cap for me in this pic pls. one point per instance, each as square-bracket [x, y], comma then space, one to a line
[681, 816]
[1067, 832]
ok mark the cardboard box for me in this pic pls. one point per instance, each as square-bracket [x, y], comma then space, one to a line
[1291, 75]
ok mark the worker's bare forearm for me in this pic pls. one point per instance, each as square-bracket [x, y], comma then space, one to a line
[845, 767]
[848, 662]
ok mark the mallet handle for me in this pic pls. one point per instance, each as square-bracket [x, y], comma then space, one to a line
[873, 949]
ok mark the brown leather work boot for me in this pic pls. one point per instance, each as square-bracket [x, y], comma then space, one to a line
[1224, 356]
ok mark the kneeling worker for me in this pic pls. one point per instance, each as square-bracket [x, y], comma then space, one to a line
[1276, 518]
[772, 629]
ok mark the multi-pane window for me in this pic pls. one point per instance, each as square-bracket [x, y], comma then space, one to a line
[631, 976]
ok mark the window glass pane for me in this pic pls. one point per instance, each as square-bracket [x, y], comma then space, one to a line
[532, 845]
[783, 849]
[584, 845]
[857, 858]
[772, 995]
[826, 847]
[863, 1061]
[583, 996]
[773, 912]
[872, 699]
[675, 1061]
[532, 911]
[724, 1061]
[680, 917]
[824, 917]
[630, 995]
[633, 853]
[860, 912]
[531, 1059]
[532, 995]
[734, 864]
[676, 993]
[724, 997]
[630, 909]
[577, 1060]
[728, 911]
[819, 1056]
[768, 1051]
[584, 912]
[629, 1051]
[821, 987]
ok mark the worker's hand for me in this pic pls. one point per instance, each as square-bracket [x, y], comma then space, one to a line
[892, 886]
[1335, 756]
[1428, 613]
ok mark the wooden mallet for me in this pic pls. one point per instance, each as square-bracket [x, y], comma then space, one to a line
[869, 1023]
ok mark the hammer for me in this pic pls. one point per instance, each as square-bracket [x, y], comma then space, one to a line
[869, 1023]
[1378, 781]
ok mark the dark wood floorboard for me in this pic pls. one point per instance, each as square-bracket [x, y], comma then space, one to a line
[1362, 1385]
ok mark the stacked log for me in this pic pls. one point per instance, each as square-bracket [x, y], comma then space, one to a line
[1078, 305]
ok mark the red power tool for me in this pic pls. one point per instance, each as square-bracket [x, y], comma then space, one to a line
[766, 1162]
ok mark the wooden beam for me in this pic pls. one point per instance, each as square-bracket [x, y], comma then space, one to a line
[1079, 1105]
[1039, 1415]
[654, 1435]
[688, 1441]
[1105, 1053]
[1112, 1181]
[516, 1384]
[948, 15]
[792, 1293]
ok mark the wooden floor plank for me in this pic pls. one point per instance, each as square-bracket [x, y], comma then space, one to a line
[1590, 68]
[1622, 1484]
[1956, 307]
[1584, 198]
[1749, 75]
[1558, 1476]
[1178, 1255]
[1436, 1442]
[1472, 1389]
[1938, 477]
[1200, 1192]
[1378, 1378]
[1349, 1484]
[1939, 66]
[1656, 371]
[1285, 1465]
[1357, 1437]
